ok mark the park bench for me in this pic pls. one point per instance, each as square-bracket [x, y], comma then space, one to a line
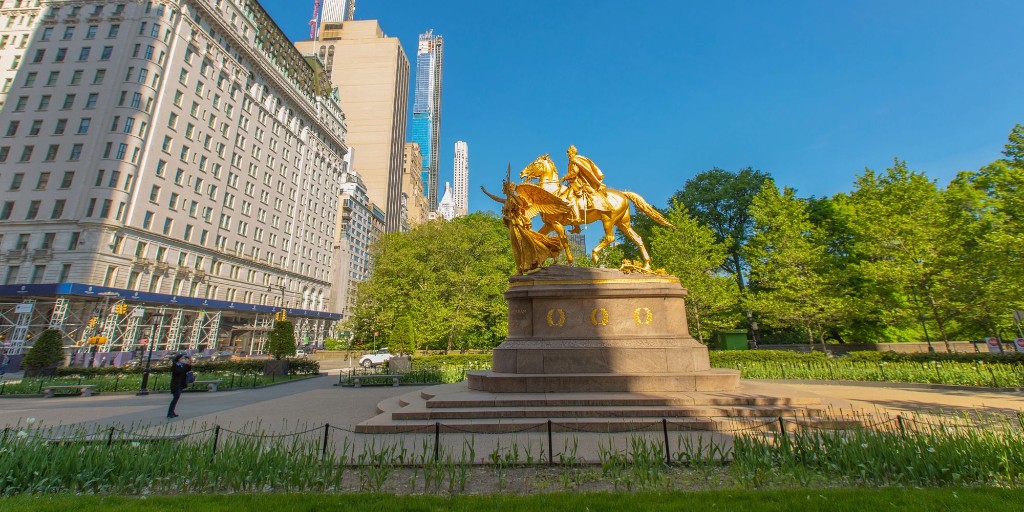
[211, 385]
[84, 389]
[357, 378]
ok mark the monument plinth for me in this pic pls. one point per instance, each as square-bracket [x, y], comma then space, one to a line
[585, 329]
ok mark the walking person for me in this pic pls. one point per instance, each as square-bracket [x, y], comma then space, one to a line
[179, 374]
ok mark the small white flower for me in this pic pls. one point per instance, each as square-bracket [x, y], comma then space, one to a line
[22, 434]
[931, 450]
[30, 421]
[863, 445]
[135, 444]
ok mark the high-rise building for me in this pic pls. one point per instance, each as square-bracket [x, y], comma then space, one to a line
[360, 224]
[426, 110]
[371, 73]
[416, 208]
[446, 207]
[336, 11]
[180, 157]
[461, 186]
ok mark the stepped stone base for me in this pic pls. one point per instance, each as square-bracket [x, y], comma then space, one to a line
[715, 379]
[752, 407]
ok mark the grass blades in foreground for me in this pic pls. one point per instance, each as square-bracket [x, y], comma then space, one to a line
[839, 500]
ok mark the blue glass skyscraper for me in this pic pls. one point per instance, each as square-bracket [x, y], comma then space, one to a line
[426, 110]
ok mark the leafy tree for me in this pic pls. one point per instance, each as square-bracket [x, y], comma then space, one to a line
[902, 241]
[1015, 148]
[281, 342]
[789, 268]
[439, 286]
[721, 200]
[47, 350]
[691, 253]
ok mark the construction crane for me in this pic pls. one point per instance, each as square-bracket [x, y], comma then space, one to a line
[314, 20]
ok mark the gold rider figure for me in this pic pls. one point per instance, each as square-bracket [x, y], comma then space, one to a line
[585, 180]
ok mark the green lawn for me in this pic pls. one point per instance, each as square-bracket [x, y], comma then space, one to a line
[852, 500]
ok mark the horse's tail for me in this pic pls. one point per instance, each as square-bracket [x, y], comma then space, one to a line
[651, 211]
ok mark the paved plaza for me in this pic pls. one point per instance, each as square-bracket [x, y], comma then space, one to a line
[309, 404]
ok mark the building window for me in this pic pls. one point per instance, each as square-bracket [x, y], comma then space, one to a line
[84, 53]
[12, 274]
[58, 209]
[26, 153]
[51, 79]
[6, 209]
[147, 220]
[44, 179]
[51, 153]
[76, 152]
[110, 277]
[60, 127]
[65, 271]
[12, 128]
[168, 222]
[106, 53]
[69, 177]
[69, 101]
[33, 210]
[37, 274]
[61, 53]
[154, 193]
[83, 125]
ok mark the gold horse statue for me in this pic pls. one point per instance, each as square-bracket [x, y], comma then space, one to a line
[609, 206]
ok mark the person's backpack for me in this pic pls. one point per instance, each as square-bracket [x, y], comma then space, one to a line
[190, 377]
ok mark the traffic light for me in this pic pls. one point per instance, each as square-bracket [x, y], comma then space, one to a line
[281, 316]
[92, 321]
[120, 309]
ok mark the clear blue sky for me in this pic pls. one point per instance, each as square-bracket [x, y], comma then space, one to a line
[658, 91]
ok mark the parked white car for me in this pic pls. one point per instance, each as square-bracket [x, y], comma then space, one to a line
[377, 358]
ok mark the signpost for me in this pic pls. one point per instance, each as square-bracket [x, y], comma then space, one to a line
[994, 346]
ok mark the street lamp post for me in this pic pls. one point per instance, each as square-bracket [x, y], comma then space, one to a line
[153, 339]
[280, 287]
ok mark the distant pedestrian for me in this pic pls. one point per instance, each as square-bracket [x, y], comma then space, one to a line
[179, 373]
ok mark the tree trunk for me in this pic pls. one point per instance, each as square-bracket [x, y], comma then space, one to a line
[739, 271]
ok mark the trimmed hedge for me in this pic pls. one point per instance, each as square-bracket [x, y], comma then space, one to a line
[296, 366]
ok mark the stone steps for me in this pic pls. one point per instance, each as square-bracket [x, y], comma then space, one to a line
[559, 412]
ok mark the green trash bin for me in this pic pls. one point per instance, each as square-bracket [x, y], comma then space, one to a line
[733, 340]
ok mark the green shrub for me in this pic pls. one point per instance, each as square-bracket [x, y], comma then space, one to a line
[303, 366]
[281, 342]
[48, 350]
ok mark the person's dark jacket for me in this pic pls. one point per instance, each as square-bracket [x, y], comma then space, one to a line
[178, 371]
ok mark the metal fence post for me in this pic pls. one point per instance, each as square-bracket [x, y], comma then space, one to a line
[668, 450]
[110, 436]
[437, 441]
[327, 430]
[216, 437]
[551, 451]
